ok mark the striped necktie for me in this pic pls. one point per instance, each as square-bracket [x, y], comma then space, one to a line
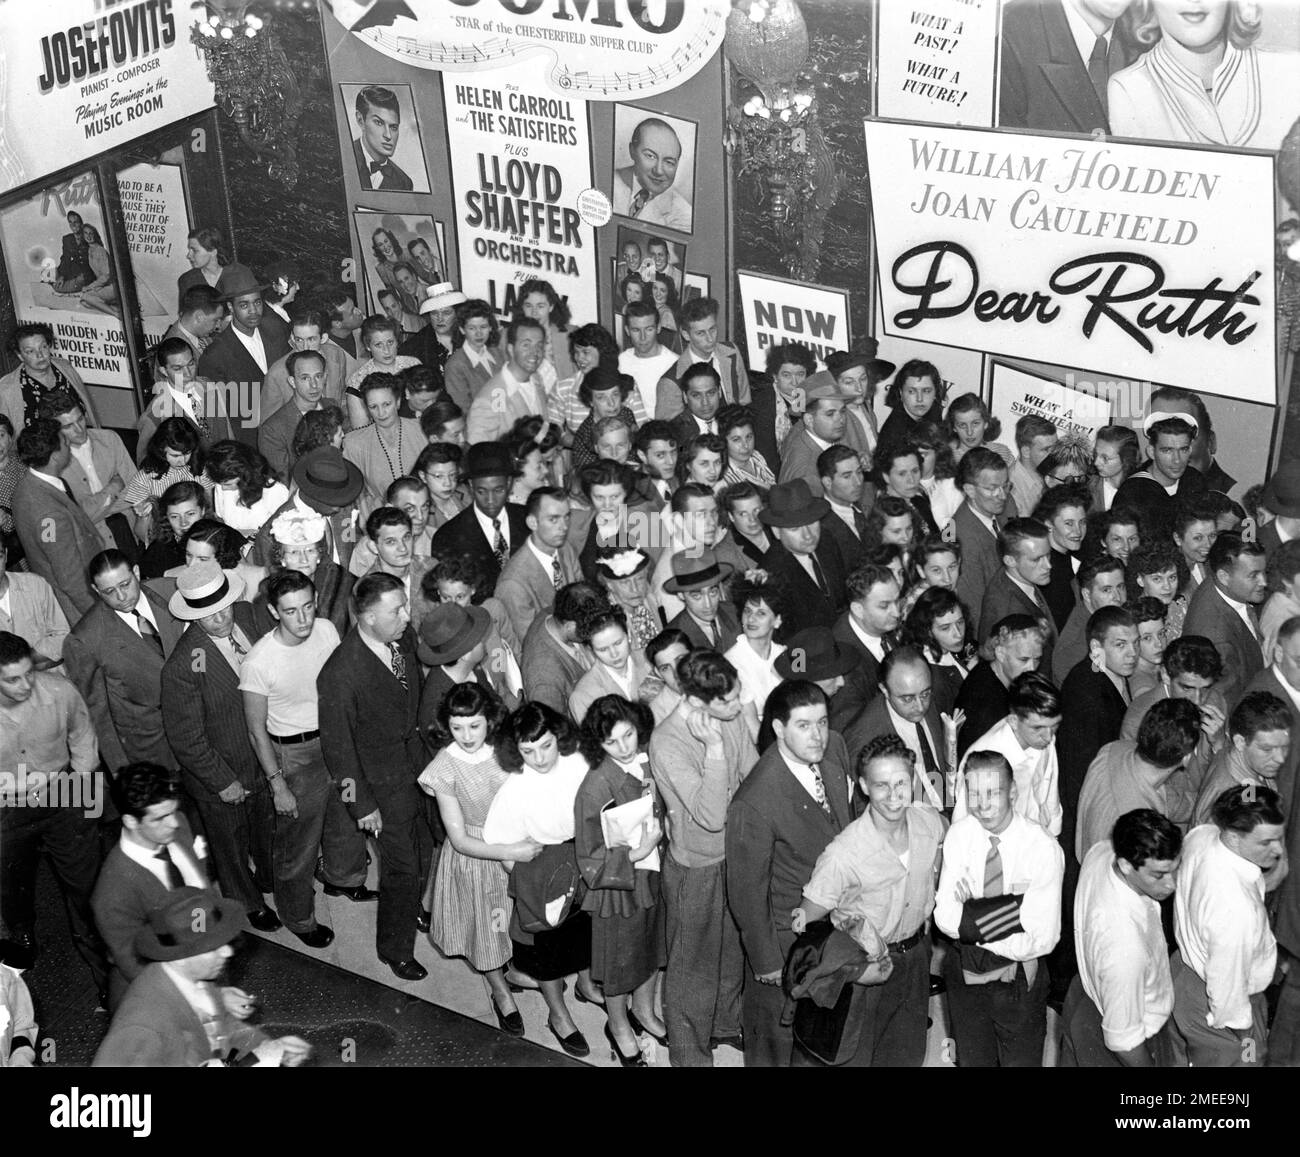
[993, 870]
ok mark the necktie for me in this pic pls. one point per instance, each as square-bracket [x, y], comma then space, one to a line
[197, 405]
[66, 489]
[993, 870]
[499, 547]
[818, 575]
[819, 790]
[148, 632]
[927, 755]
[638, 202]
[174, 877]
[399, 664]
[557, 575]
[860, 524]
[1098, 70]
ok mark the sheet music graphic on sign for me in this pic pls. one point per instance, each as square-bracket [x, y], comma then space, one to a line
[625, 827]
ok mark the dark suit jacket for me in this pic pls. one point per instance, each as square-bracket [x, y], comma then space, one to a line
[1072, 644]
[368, 724]
[775, 832]
[1045, 83]
[275, 436]
[1003, 598]
[226, 360]
[980, 562]
[203, 712]
[684, 427]
[1267, 680]
[806, 606]
[726, 624]
[1092, 716]
[985, 701]
[550, 673]
[120, 677]
[862, 683]
[1269, 539]
[1287, 922]
[395, 179]
[156, 1028]
[876, 720]
[463, 535]
[848, 544]
[58, 539]
[763, 404]
[1243, 658]
[125, 894]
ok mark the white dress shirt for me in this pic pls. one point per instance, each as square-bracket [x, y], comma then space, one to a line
[142, 605]
[1036, 774]
[253, 344]
[189, 870]
[489, 530]
[85, 456]
[1222, 927]
[1084, 37]
[873, 643]
[1033, 866]
[1123, 959]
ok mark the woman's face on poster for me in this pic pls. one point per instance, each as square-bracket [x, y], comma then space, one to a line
[1195, 24]
[632, 292]
[659, 291]
[75, 223]
[385, 245]
[35, 353]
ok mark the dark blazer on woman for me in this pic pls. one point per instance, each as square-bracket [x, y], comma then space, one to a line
[615, 886]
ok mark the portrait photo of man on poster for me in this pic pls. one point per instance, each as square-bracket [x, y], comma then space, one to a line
[654, 168]
[386, 138]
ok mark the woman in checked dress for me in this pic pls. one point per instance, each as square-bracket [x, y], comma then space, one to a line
[471, 908]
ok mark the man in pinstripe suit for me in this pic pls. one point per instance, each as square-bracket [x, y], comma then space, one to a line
[203, 713]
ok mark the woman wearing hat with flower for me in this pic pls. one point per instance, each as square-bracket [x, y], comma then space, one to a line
[625, 575]
[298, 537]
[550, 932]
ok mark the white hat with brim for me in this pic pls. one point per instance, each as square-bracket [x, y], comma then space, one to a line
[441, 296]
[204, 589]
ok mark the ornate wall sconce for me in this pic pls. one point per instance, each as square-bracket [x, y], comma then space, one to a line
[774, 131]
[254, 84]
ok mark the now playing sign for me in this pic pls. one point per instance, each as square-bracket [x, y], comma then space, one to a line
[776, 310]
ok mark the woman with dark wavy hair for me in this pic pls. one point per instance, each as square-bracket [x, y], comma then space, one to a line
[245, 492]
[628, 945]
[591, 348]
[318, 428]
[474, 357]
[471, 886]
[915, 395]
[174, 454]
[940, 629]
[539, 302]
[550, 932]
[179, 507]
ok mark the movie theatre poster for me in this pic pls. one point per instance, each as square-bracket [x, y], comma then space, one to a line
[1140, 261]
[776, 310]
[520, 156]
[55, 281]
[935, 61]
[81, 77]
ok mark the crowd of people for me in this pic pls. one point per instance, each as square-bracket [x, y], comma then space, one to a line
[654, 680]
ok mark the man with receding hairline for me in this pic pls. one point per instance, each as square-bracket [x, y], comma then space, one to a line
[644, 190]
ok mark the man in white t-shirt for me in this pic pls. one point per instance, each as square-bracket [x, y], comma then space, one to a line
[278, 681]
[647, 361]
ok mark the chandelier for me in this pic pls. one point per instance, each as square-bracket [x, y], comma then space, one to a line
[253, 83]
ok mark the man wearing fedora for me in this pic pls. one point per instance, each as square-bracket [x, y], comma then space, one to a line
[817, 656]
[1282, 497]
[115, 656]
[706, 619]
[806, 565]
[825, 423]
[203, 714]
[322, 483]
[905, 708]
[699, 755]
[452, 644]
[490, 529]
[369, 724]
[174, 1014]
[281, 711]
[245, 350]
[546, 562]
[779, 821]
